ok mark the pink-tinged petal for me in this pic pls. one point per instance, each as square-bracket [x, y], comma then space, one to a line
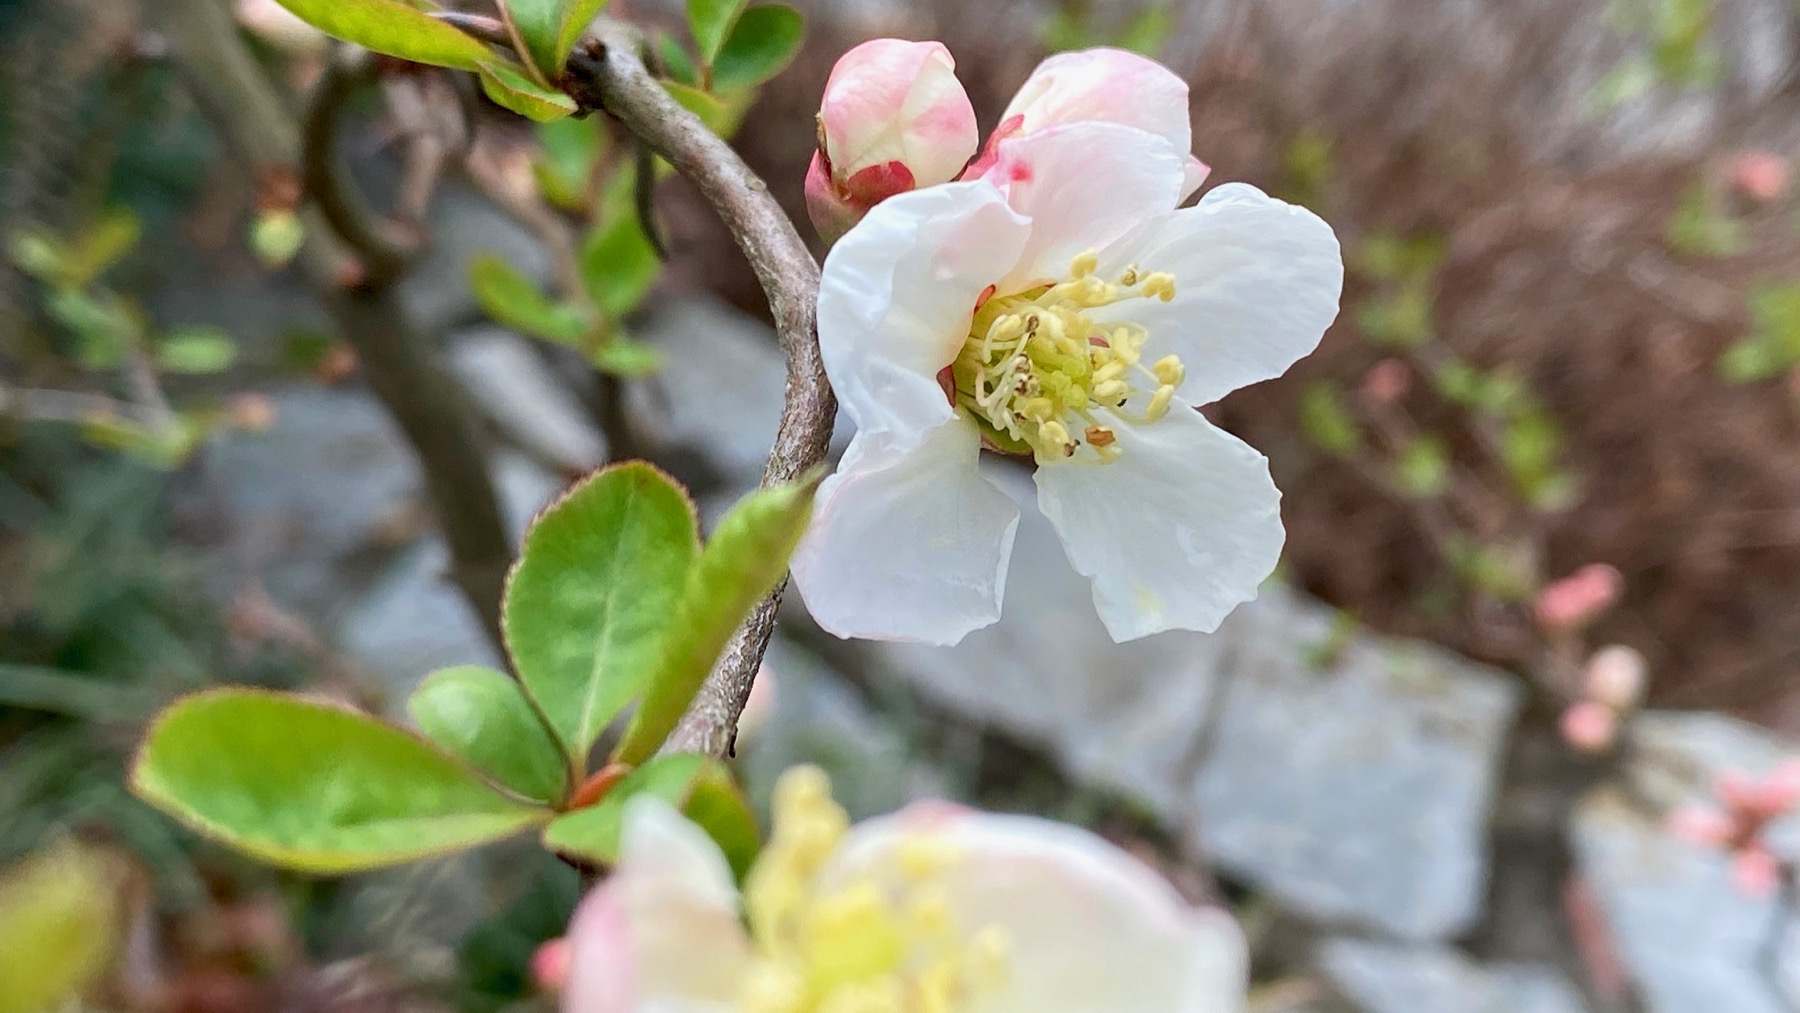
[1702, 825]
[897, 295]
[1180, 529]
[662, 932]
[1194, 175]
[1589, 726]
[1755, 872]
[908, 544]
[890, 100]
[1082, 185]
[1105, 86]
[1256, 284]
[1088, 927]
[1783, 786]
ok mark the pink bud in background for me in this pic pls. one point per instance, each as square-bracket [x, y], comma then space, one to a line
[1387, 381]
[550, 965]
[1615, 677]
[1760, 175]
[1588, 726]
[1579, 598]
[894, 118]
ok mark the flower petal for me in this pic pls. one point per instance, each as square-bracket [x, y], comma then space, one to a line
[1088, 927]
[1083, 185]
[896, 297]
[662, 933]
[890, 100]
[1256, 283]
[1104, 85]
[1175, 533]
[908, 544]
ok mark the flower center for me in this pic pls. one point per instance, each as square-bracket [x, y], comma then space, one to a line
[1042, 377]
[887, 942]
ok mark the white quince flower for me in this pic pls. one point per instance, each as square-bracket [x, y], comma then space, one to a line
[935, 909]
[1060, 306]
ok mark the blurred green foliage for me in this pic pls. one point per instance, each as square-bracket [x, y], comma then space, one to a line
[1772, 348]
[1080, 24]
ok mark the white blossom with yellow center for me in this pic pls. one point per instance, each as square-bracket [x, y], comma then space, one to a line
[1062, 309]
[933, 910]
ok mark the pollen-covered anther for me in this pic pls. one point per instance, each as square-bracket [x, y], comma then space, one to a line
[1037, 367]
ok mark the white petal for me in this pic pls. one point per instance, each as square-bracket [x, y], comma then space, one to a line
[897, 294]
[1083, 185]
[1256, 283]
[908, 544]
[1089, 927]
[662, 933]
[1175, 533]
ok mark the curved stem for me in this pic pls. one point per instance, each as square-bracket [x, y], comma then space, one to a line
[328, 182]
[607, 72]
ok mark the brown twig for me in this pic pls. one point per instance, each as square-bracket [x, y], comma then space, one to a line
[607, 72]
[328, 182]
[398, 360]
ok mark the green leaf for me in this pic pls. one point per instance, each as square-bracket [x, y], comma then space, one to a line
[568, 150]
[618, 264]
[99, 247]
[509, 87]
[592, 833]
[104, 325]
[576, 16]
[1147, 33]
[676, 61]
[395, 28]
[1423, 469]
[196, 350]
[711, 21]
[596, 584]
[310, 785]
[276, 236]
[516, 301]
[483, 716]
[37, 253]
[720, 116]
[746, 557]
[717, 805]
[622, 356]
[540, 24]
[762, 43]
[1326, 421]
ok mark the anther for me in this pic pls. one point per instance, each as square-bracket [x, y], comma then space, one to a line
[1159, 402]
[1100, 436]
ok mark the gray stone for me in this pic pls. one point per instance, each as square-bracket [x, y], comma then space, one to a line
[815, 717]
[1355, 792]
[524, 398]
[414, 620]
[332, 477]
[1691, 941]
[1385, 977]
[435, 291]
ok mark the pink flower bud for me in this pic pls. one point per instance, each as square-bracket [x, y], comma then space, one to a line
[1589, 727]
[1760, 175]
[1387, 381]
[1702, 825]
[1579, 598]
[1756, 872]
[550, 965]
[1614, 676]
[894, 118]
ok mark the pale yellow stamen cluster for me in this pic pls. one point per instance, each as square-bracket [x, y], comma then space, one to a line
[887, 942]
[1043, 377]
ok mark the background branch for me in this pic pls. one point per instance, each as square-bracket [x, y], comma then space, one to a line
[397, 359]
[607, 72]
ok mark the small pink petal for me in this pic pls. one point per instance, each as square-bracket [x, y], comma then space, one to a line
[1387, 381]
[1588, 726]
[550, 965]
[1702, 825]
[1761, 175]
[1755, 872]
[1579, 598]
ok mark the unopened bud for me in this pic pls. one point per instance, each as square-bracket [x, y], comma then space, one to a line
[1589, 727]
[894, 118]
[1614, 676]
[1579, 598]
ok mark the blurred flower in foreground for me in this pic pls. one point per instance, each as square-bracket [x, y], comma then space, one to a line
[1737, 825]
[894, 118]
[934, 909]
[1059, 308]
[1578, 599]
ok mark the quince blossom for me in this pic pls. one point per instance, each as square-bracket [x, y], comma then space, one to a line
[935, 909]
[894, 118]
[1055, 304]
